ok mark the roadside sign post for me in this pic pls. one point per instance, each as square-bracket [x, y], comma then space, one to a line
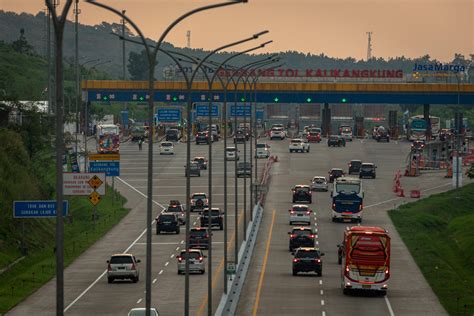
[95, 182]
[230, 269]
[109, 165]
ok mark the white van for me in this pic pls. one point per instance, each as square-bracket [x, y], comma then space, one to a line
[231, 153]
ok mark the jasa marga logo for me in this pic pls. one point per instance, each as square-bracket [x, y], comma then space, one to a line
[439, 67]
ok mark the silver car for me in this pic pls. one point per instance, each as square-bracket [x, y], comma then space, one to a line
[319, 183]
[141, 311]
[300, 214]
[123, 266]
[196, 261]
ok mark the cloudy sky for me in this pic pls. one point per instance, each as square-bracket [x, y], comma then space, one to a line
[336, 28]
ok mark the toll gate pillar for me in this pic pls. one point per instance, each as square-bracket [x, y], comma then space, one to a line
[426, 117]
[326, 115]
[393, 124]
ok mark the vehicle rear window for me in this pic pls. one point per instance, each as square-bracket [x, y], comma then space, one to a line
[261, 146]
[307, 254]
[121, 259]
[230, 149]
[244, 165]
[191, 254]
[303, 189]
[202, 134]
[200, 160]
[319, 180]
[296, 141]
[337, 172]
[200, 232]
[213, 212]
[302, 232]
[199, 196]
[166, 144]
[356, 163]
[277, 129]
[165, 218]
[300, 209]
[174, 208]
[313, 134]
[172, 131]
[364, 166]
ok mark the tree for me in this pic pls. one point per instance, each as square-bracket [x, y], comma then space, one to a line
[470, 172]
[138, 65]
[21, 45]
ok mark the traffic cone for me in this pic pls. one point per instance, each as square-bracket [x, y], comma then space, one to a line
[400, 193]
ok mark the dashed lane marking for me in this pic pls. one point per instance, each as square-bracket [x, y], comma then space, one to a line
[138, 302]
[161, 272]
[154, 281]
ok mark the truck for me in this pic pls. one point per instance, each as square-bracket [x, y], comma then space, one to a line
[416, 129]
[347, 200]
[364, 256]
[108, 139]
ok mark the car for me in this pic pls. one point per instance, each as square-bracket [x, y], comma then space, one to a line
[123, 266]
[141, 311]
[199, 202]
[302, 194]
[445, 134]
[167, 222]
[244, 169]
[418, 145]
[319, 183]
[382, 134]
[277, 132]
[217, 218]
[202, 138]
[262, 150]
[215, 133]
[196, 261]
[335, 173]
[308, 259]
[367, 170]
[300, 213]
[354, 166]
[316, 130]
[175, 207]
[336, 140]
[199, 238]
[313, 137]
[231, 153]
[173, 134]
[194, 169]
[374, 131]
[301, 236]
[240, 137]
[166, 148]
[345, 132]
[201, 161]
[298, 144]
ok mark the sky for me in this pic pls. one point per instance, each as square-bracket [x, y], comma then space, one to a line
[337, 28]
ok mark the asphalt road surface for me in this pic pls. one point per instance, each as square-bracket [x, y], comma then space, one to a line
[270, 287]
[86, 289]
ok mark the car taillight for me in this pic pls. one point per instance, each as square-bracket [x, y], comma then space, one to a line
[347, 268]
[387, 271]
[180, 258]
[361, 206]
[109, 268]
[296, 260]
[308, 212]
[317, 260]
[133, 267]
[200, 259]
[292, 212]
[293, 235]
[311, 236]
[334, 206]
[206, 236]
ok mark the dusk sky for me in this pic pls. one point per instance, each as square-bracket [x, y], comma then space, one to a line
[336, 28]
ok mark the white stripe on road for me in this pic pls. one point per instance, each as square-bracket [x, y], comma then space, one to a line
[390, 310]
[154, 281]
[138, 302]
[167, 263]
[322, 302]
[161, 271]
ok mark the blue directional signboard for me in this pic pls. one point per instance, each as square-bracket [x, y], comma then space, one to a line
[203, 110]
[111, 168]
[168, 115]
[240, 110]
[37, 209]
[259, 114]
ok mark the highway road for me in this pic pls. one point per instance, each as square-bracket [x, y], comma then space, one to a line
[270, 288]
[86, 289]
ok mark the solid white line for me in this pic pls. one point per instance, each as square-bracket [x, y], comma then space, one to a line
[138, 302]
[154, 281]
[160, 272]
[322, 302]
[126, 250]
[390, 310]
[167, 263]
[157, 243]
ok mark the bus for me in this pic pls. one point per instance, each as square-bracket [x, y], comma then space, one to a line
[364, 256]
[417, 127]
[347, 200]
[108, 139]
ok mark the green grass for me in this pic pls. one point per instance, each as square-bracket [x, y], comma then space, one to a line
[39, 266]
[439, 232]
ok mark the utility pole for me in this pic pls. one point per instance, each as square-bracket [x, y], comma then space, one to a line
[369, 46]
[188, 36]
[76, 12]
[123, 46]
[48, 57]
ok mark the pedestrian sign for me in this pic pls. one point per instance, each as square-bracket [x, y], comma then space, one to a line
[94, 198]
[95, 182]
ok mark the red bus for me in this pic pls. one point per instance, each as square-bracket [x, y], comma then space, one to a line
[365, 258]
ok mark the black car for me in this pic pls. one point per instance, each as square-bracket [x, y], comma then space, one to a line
[201, 161]
[302, 194]
[301, 237]
[382, 134]
[367, 170]
[199, 238]
[308, 260]
[202, 138]
[167, 222]
[336, 140]
[335, 173]
[240, 137]
[217, 218]
[194, 170]
[172, 134]
[354, 166]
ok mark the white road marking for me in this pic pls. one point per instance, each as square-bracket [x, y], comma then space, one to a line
[167, 263]
[157, 243]
[323, 313]
[182, 241]
[154, 281]
[322, 302]
[177, 248]
[172, 256]
[160, 272]
[320, 282]
[126, 250]
[322, 292]
[138, 302]
[390, 310]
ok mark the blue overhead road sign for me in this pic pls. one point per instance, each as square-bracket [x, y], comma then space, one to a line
[203, 110]
[168, 115]
[34, 209]
[111, 168]
[240, 110]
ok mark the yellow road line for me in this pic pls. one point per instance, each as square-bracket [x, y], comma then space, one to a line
[217, 273]
[262, 273]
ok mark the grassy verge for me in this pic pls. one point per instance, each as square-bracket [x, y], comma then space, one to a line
[439, 232]
[38, 266]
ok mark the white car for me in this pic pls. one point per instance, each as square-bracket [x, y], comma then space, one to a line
[196, 261]
[299, 144]
[262, 150]
[231, 153]
[346, 133]
[300, 214]
[277, 132]
[123, 266]
[166, 148]
[319, 183]
[141, 311]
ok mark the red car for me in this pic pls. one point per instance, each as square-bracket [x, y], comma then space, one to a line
[313, 137]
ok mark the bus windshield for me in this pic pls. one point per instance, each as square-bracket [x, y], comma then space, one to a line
[348, 187]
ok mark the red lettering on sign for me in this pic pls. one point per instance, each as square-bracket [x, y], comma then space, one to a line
[280, 72]
[336, 73]
[356, 73]
[318, 73]
[346, 73]
[309, 72]
[372, 73]
[365, 73]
